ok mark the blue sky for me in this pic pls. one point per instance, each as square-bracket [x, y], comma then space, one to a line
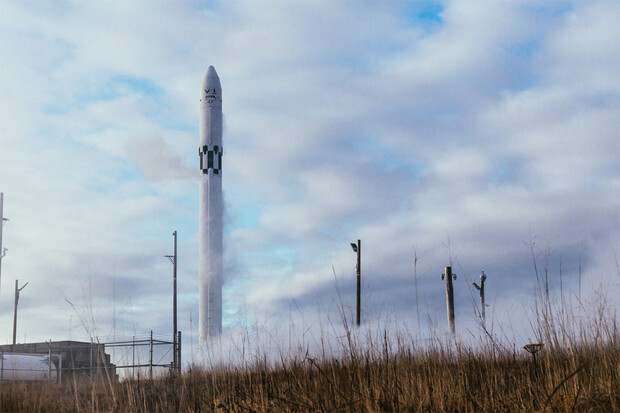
[463, 130]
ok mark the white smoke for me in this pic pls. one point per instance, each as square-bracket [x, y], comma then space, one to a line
[157, 160]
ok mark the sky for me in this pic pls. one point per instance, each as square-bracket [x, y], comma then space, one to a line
[482, 135]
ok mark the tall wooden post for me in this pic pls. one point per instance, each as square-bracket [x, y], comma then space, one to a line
[359, 279]
[2, 219]
[179, 352]
[17, 290]
[482, 302]
[450, 296]
[480, 288]
[49, 361]
[133, 358]
[173, 260]
[174, 305]
[151, 356]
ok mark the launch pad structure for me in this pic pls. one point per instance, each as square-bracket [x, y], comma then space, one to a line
[140, 356]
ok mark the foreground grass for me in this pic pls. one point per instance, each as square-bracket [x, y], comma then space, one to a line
[587, 380]
[578, 369]
[436, 379]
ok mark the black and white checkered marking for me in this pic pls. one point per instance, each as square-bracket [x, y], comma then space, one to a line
[211, 158]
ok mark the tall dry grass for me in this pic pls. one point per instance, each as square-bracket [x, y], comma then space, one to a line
[578, 369]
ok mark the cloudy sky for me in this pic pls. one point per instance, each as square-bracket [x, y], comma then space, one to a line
[466, 132]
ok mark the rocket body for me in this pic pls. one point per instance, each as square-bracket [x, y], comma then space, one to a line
[211, 207]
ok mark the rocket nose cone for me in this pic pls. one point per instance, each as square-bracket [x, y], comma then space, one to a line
[211, 78]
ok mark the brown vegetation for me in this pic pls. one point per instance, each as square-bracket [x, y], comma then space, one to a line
[577, 369]
[443, 377]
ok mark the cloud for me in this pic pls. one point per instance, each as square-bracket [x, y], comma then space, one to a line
[490, 126]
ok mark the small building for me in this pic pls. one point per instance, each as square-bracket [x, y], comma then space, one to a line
[68, 359]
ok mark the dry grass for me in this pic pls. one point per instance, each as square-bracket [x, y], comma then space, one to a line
[578, 376]
[437, 380]
[578, 369]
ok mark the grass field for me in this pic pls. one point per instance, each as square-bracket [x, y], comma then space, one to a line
[577, 369]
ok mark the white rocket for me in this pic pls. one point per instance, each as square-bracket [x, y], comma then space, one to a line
[211, 206]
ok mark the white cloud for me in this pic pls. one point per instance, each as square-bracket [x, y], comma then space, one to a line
[341, 122]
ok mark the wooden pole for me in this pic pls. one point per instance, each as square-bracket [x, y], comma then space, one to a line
[173, 260]
[174, 305]
[179, 352]
[1, 225]
[133, 357]
[17, 290]
[480, 288]
[15, 313]
[359, 279]
[49, 361]
[151, 356]
[482, 280]
[450, 298]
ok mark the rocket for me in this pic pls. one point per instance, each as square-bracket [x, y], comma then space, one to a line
[211, 207]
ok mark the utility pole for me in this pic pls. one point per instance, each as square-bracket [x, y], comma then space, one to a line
[17, 290]
[179, 351]
[448, 276]
[358, 249]
[173, 259]
[2, 220]
[480, 288]
[151, 356]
